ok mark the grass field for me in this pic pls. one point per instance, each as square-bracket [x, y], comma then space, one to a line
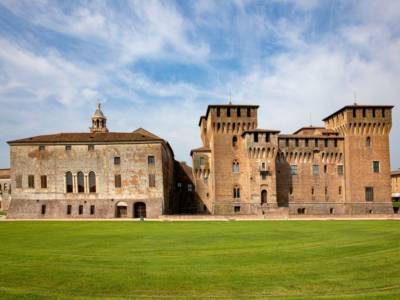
[200, 260]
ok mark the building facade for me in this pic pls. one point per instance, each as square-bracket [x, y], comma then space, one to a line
[341, 168]
[396, 186]
[5, 189]
[98, 174]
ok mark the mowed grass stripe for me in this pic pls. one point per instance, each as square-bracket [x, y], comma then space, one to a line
[200, 260]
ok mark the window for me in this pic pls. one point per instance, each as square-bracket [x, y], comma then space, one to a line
[31, 181]
[373, 113]
[316, 142]
[236, 192]
[287, 142]
[326, 142]
[340, 170]
[92, 182]
[383, 112]
[117, 160]
[236, 209]
[235, 167]
[296, 142]
[41, 148]
[312, 190]
[68, 182]
[263, 175]
[80, 209]
[228, 112]
[218, 112]
[234, 141]
[293, 170]
[151, 160]
[326, 190]
[238, 111]
[68, 147]
[301, 211]
[179, 185]
[315, 170]
[368, 142]
[43, 182]
[354, 113]
[340, 190]
[248, 112]
[255, 137]
[325, 169]
[331, 211]
[69, 209]
[369, 194]
[267, 137]
[117, 179]
[364, 112]
[306, 142]
[335, 143]
[152, 180]
[18, 181]
[190, 187]
[201, 161]
[376, 166]
[90, 147]
[92, 209]
[43, 210]
[81, 182]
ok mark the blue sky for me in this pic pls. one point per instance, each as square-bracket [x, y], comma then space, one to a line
[158, 64]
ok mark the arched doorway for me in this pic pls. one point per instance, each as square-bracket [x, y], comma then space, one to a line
[121, 210]
[139, 210]
[264, 196]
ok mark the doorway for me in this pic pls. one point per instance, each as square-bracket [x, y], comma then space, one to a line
[139, 210]
[121, 210]
[263, 196]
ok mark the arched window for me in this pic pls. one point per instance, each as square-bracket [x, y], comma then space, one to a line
[68, 182]
[263, 196]
[368, 142]
[81, 183]
[236, 192]
[98, 123]
[92, 182]
[235, 166]
[234, 141]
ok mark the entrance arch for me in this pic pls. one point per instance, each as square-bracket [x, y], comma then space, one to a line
[264, 196]
[139, 210]
[121, 209]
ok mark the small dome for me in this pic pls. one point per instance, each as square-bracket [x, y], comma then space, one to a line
[98, 113]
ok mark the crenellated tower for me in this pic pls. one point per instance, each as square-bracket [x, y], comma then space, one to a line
[365, 129]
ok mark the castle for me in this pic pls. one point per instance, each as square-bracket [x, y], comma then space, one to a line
[340, 169]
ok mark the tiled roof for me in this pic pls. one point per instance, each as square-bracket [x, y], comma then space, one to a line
[201, 149]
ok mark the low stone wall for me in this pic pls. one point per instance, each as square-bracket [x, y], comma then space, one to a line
[57, 209]
[340, 208]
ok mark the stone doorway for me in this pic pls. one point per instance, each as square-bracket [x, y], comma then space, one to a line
[264, 196]
[139, 210]
[121, 210]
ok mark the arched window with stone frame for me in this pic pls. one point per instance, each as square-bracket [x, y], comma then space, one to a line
[92, 182]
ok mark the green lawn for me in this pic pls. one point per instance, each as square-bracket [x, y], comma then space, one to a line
[200, 260]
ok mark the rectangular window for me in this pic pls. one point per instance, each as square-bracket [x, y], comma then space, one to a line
[236, 209]
[238, 111]
[263, 175]
[218, 112]
[201, 161]
[335, 141]
[41, 148]
[68, 147]
[117, 179]
[306, 142]
[369, 194]
[267, 137]
[296, 142]
[80, 209]
[43, 209]
[151, 160]
[293, 170]
[373, 113]
[287, 142]
[315, 170]
[90, 147]
[340, 190]
[326, 143]
[364, 112]
[18, 181]
[248, 112]
[92, 209]
[255, 137]
[325, 169]
[152, 180]
[340, 170]
[190, 187]
[354, 113]
[31, 181]
[69, 209]
[117, 160]
[316, 142]
[383, 112]
[43, 182]
[228, 112]
[376, 166]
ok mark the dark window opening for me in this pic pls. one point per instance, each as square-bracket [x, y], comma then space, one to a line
[90, 147]
[92, 209]
[331, 210]
[340, 190]
[306, 142]
[316, 142]
[369, 194]
[287, 142]
[383, 112]
[204, 208]
[228, 112]
[364, 112]
[236, 209]
[43, 209]
[312, 191]
[151, 160]
[264, 195]
[326, 143]
[255, 137]
[218, 112]
[43, 182]
[92, 182]
[81, 182]
[80, 209]
[234, 141]
[41, 148]
[376, 166]
[354, 113]
[69, 209]
[368, 142]
[373, 113]
[117, 179]
[248, 112]
[296, 142]
[117, 160]
[68, 179]
[236, 192]
[301, 211]
[267, 137]
[68, 147]
[325, 169]
[238, 111]
[31, 181]
[335, 143]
